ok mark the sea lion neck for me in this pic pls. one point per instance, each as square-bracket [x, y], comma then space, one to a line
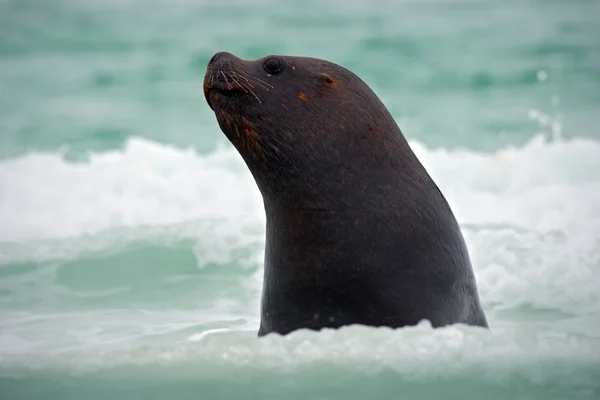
[354, 186]
[355, 173]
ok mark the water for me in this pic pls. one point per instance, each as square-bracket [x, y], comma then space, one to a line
[131, 233]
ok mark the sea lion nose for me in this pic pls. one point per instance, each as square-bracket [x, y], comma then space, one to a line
[219, 57]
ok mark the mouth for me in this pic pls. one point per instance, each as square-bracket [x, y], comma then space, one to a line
[213, 92]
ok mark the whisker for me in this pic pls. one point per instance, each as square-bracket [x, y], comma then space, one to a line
[261, 81]
[257, 81]
[246, 89]
[261, 85]
[243, 77]
[255, 96]
[226, 81]
[237, 83]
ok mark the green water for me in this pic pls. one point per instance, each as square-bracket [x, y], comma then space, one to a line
[132, 234]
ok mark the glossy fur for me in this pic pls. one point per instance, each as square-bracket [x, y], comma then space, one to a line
[357, 231]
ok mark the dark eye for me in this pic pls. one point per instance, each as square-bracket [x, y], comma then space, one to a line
[272, 65]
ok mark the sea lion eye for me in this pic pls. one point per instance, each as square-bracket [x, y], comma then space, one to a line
[272, 65]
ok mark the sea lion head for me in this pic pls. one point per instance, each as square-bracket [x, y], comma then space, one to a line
[299, 121]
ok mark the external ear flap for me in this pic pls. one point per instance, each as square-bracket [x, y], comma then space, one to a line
[327, 80]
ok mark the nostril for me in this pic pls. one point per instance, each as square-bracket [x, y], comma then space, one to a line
[212, 59]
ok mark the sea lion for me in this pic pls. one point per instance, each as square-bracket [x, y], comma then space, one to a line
[357, 232]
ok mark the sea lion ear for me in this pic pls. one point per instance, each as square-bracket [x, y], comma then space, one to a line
[327, 80]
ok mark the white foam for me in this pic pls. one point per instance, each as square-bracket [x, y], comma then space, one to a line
[45, 197]
[531, 214]
[413, 352]
[544, 185]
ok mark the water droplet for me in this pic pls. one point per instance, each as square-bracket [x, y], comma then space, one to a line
[542, 75]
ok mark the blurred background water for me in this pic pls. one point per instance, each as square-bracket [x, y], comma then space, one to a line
[132, 234]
